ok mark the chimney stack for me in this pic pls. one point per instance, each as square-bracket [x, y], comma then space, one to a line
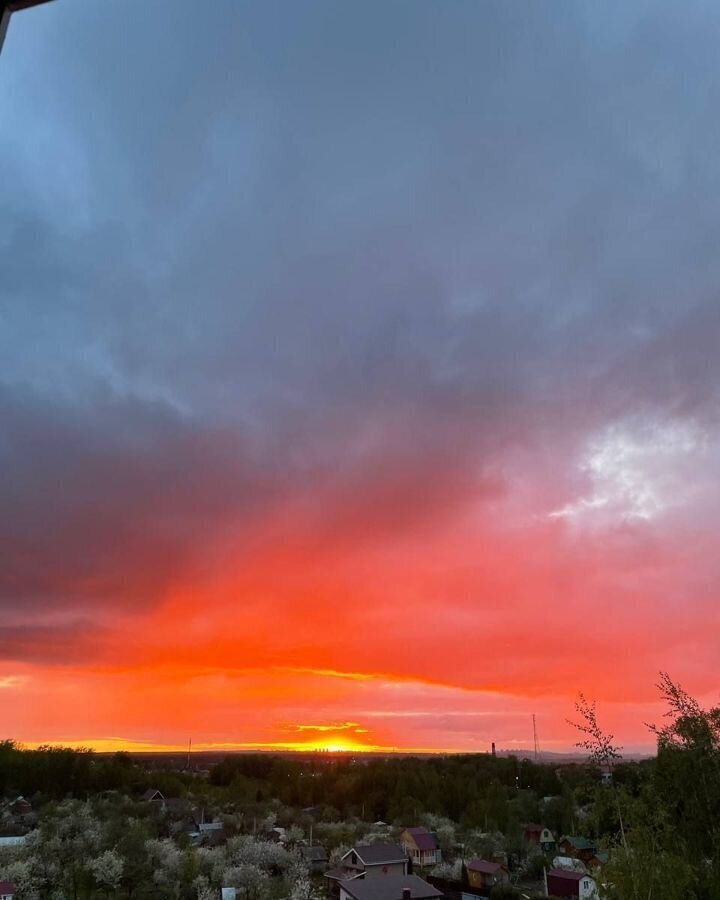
[493, 748]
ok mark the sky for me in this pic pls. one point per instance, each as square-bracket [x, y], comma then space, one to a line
[359, 373]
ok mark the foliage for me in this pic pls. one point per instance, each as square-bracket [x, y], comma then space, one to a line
[107, 869]
[602, 751]
[449, 871]
[657, 818]
[303, 889]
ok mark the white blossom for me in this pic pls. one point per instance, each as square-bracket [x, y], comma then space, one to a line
[107, 869]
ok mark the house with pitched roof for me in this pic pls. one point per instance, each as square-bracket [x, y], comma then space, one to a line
[578, 847]
[367, 861]
[375, 859]
[598, 859]
[539, 835]
[421, 846]
[316, 857]
[483, 875]
[391, 887]
[570, 885]
[7, 890]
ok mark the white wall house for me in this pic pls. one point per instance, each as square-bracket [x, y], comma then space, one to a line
[375, 859]
[564, 883]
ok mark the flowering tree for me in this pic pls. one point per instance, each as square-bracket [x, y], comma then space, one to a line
[68, 839]
[166, 860]
[251, 881]
[337, 854]
[303, 889]
[203, 889]
[23, 874]
[449, 871]
[294, 834]
[270, 857]
[107, 870]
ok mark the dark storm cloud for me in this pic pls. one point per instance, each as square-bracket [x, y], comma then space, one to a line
[58, 643]
[108, 501]
[265, 247]
[288, 193]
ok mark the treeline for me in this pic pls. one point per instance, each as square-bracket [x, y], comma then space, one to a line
[53, 773]
[474, 790]
[660, 819]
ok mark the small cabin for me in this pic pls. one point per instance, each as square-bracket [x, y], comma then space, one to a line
[421, 846]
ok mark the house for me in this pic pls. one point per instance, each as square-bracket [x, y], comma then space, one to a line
[375, 859]
[570, 863]
[421, 846]
[316, 857]
[565, 884]
[539, 835]
[367, 861]
[181, 813]
[152, 795]
[210, 834]
[484, 875]
[7, 890]
[577, 847]
[599, 858]
[21, 807]
[17, 814]
[392, 887]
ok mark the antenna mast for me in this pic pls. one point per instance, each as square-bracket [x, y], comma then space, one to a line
[190, 748]
[537, 752]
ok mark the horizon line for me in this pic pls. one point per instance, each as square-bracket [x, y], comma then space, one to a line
[338, 748]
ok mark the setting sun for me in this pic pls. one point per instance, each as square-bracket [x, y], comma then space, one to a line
[343, 390]
[359, 429]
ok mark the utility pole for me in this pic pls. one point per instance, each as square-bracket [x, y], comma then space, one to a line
[537, 752]
[7, 7]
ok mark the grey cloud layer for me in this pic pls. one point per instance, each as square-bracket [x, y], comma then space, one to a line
[440, 231]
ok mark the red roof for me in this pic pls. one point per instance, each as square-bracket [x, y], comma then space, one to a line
[567, 874]
[424, 840]
[7, 887]
[487, 868]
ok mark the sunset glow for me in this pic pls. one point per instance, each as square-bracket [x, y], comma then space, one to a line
[359, 375]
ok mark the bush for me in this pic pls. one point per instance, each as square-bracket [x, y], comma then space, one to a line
[504, 892]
